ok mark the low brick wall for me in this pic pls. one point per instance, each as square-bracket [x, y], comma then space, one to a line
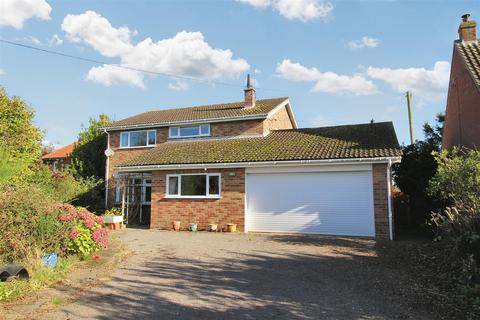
[228, 209]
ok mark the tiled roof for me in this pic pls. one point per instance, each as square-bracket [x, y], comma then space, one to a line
[63, 152]
[214, 111]
[470, 52]
[340, 142]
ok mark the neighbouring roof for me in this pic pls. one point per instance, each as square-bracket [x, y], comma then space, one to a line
[207, 112]
[63, 152]
[340, 142]
[470, 52]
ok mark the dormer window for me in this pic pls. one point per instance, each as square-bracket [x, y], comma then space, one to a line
[138, 139]
[201, 130]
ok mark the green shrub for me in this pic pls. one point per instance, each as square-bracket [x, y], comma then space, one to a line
[458, 179]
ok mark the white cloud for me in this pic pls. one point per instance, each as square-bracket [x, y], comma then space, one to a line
[55, 40]
[2, 72]
[185, 54]
[31, 39]
[16, 12]
[178, 86]
[365, 41]
[328, 82]
[426, 84]
[321, 121]
[109, 75]
[304, 10]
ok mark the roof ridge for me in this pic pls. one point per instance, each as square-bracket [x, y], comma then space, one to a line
[336, 126]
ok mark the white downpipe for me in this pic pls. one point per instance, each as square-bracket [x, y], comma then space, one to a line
[389, 187]
[107, 169]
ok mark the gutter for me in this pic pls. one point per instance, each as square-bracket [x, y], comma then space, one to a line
[107, 169]
[258, 164]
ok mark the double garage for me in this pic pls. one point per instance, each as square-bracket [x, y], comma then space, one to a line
[331, 200]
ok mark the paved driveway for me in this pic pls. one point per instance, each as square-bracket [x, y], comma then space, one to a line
[247, 276]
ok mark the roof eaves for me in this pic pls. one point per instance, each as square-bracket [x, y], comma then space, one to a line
[458, 44]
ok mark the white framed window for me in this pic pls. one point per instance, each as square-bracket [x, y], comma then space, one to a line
[137, 139]
[196, 185]
[201, 130]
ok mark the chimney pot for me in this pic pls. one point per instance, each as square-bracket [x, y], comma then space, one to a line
[250, 94]
[467, 31]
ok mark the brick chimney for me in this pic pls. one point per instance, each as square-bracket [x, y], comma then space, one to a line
[250, 95]
[467, 31]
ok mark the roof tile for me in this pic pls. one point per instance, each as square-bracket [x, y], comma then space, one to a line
[470, 52]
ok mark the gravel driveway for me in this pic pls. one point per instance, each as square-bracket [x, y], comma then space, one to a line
[247, 276]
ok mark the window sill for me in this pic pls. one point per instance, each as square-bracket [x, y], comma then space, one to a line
[192, 197]
[139, 147]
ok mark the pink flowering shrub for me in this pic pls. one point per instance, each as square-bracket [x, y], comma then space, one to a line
[87, 234]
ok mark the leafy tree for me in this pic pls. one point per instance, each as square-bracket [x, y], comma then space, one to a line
[418, 166]
[88, 158]
[18, 134]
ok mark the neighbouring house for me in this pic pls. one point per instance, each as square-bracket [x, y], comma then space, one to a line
[247, 163]
[462, 121]
[58, 159]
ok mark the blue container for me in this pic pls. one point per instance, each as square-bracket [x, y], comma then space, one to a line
[50, 260]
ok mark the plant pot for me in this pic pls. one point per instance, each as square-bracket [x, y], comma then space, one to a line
[176, 225]
[112, 219]
[212, 227]
[231, 227]
[193, 227]
[50, 260]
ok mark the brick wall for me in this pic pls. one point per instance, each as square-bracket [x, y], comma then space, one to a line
[380, 201]
[236, 128]
[462, 123]
[228, 209]
[280, 120]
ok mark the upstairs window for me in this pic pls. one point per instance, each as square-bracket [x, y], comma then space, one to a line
[133, 139]
[202, 130]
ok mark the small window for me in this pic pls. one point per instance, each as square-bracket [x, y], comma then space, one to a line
[190, 131]
[193, 185]
[134, 139]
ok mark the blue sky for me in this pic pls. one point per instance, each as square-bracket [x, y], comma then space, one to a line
[340, 62]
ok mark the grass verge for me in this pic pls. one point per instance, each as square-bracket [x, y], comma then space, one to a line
[40, 277]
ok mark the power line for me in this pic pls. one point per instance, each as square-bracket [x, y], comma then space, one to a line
[71, 56]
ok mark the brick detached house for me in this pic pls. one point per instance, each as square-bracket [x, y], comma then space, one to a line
[462, 121]
[58, 159]
[247, 163]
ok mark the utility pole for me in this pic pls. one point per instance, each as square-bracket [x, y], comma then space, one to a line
[408, 94]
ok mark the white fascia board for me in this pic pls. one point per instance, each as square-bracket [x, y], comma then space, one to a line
[180, 123]
[259, 164]
[286, 103]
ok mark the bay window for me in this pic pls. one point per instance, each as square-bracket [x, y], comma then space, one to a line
[193, 185]
[133, 139]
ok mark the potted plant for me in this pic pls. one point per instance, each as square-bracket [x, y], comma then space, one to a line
[112, 216]
[193, 227]
[231, 227]
[176, 225]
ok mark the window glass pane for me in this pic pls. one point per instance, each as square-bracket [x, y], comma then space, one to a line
[138, 138]
[148, 194]
[173, 132]
[194, 185]
[189, 131]
[204, 129]
[152, 137]
[213, 185]
[173, 185]
[124, 139]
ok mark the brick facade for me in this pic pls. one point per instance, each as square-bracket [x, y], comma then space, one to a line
[228, 209]
[380, 201]
[279, 120]
[462, 122]
[236, 128]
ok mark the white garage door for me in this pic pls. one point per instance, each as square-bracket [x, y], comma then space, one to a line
[336, 203]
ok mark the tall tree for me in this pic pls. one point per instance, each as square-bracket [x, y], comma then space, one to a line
[88, 158]
[418, 166]
[18, 135]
